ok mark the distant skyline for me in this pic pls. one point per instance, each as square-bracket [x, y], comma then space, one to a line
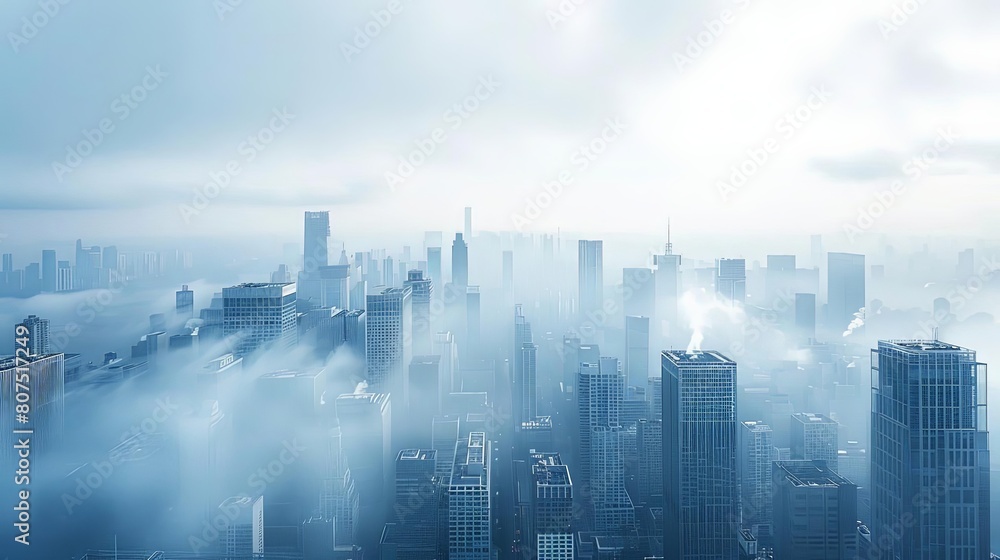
[675, 118]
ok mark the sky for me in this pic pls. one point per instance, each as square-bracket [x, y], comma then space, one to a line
[585, 115]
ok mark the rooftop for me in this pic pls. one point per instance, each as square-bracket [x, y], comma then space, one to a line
[924, 345]
[811, 418]
[708, 357]
[802, 474]
[417, 455]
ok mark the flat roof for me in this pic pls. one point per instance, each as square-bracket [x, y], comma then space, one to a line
[802, 474]
[708, 357]
[924, 345]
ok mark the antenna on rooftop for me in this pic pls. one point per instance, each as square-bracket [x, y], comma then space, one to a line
[670, 246]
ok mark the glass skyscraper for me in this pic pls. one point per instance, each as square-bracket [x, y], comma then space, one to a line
[259, 314]
[845, 288]
[388, 339]
[929, 452]
[591, 273]
[699, 456]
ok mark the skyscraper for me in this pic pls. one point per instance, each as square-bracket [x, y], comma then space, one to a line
[421, 289]
[649, 447]
[699, 456]
[259, 314]
[667, 289]
[522, 336]
[459, 262]
[416, 503]
[638, 292]
[64, 277]
[814, 438]
[815, 512]
[48, 271]
[845, 289]
[930, 455]
[469, 498]
[600, 392]
[613, 511]
[805, 316]
[366, 442]
[591, 276]
[529, 400]
[553, 508]
[507, 276]
[333, 286]
[314, 254]
[756, 455]
[637, 350]
[388, 339]
[731, 280]
[184, 302]
[37, 333]
[46, 387]
[434, 265]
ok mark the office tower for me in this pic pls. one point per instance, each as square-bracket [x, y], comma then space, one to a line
[342, 328]
[591, 277]
[36, 330]
[259, 315]
[699, 455]
[366, 442]
[930, 454]
[779, 280]
[315, 255]
[333, 286]
[756, 455]
[425, 397]
[656, 397]
[667, 290]
[48, 271]
[649, 445]
[359, 295]
[613, 511]
[88, 266]
[444, 346]
[184, 302]
[434, 265]
[815, 513]
[523, 411]
[570, 354]
[416, 503]
[637, 350]
[388, 272]
[469, 498]
[814, 438]
[388, 339]
[8, 262]
[805, 316]
[638, 292]
[468, 222]
[731, 280]
[31, 280]
[600, 392]
[109, 265]
[422, 290]
[552, 507]
[243, 535]
[529, 387]
[444, 436]
[845, 289]
[473, 321]
[507, 277]
[853, 464]
[64, 277]
[459, 261]
[46, 387]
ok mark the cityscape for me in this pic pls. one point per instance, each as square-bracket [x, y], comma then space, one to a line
[528, 280]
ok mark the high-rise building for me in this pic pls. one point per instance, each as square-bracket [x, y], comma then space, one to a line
[814, 438]
[333, 286]
[48, 270]
[756, 455]
[805, 316]
[8, 263]
[600, 392]
[259, 315]
[434, 265]
[637, 350]
[507, 276]
[845, 289]
[46, 419]
[529, 387]
[699, 456]
[416, 504]
[366, 441]
[638, 292]
[64, 277]
[520, 393]
[553, 508]
[421, 289]
[815, 512]
[444, 346]
[469, 497]
[930, 454]
[184, 302]
[459, 261]
[388, 339]
[667, 290]
[243, 535]
[649, 446]
[613, 511]
[731, 280]
[315, 254]
[36, 330]
[425, 398]
[473, 321]
[591, 276]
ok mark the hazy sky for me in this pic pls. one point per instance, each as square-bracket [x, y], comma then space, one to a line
[205, 77]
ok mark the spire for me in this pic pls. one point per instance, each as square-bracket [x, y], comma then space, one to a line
[670, 246]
